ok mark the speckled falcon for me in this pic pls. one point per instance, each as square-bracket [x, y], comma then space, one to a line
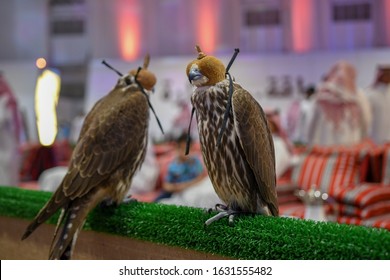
[242, 166]
[111, 147]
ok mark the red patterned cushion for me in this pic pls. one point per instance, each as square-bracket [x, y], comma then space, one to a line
[285, 187]
[382, 221]
[374, 172]
[331, 167]
[361, 196]
[287, 198]
[376, 209]
[286, 192]
[296, 210]
[386, 166]
[285, 178]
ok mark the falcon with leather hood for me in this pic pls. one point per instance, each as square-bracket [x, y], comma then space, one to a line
[110, 149]
[236, 141]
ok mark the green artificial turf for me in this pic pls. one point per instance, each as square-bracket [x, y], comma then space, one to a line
[255, 237]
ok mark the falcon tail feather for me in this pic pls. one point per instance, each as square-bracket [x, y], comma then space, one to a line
[63, 243]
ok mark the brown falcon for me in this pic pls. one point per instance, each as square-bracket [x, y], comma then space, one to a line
[110, 148]
[242, 166]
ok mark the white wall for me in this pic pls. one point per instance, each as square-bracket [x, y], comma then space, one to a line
[23, 29]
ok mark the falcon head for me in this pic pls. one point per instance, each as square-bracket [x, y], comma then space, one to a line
[205, 70]
[146, 78]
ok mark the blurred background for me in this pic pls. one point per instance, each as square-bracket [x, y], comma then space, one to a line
[285, 46]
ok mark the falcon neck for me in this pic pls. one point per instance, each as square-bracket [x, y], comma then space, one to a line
[220, 87]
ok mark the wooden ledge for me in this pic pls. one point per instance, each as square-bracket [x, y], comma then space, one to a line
[90, 245]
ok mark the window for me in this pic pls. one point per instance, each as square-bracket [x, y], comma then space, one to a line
[352, 12]
[65, 2]
[68, 26]
[262, 18]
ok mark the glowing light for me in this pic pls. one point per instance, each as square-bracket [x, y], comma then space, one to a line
[46, 98]
[386, 4]
[207, 25]
[41, 63]
[301, 24]
[129, 29]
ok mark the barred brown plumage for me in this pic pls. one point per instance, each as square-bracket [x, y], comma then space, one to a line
[111, 147]
[242, 168]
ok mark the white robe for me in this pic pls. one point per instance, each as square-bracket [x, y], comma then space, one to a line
[283, 157]
[324, 132]
[305, 115]
[9, 146]
[379, 99]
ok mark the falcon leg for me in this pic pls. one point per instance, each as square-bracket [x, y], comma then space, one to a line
[109, 202]
[106, 203]
[129, 199]
[216, 218]
[224, 211]
[218, 207]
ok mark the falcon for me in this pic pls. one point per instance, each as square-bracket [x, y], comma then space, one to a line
[110, 149]
[236, 141]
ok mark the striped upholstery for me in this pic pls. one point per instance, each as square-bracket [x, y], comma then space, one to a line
[288, 198]
[382, 221]
[386, 166]
[296, 210]
[330, 168]
[363, 195]
[356, 178]
[374, 173]
[376, 209]
[286, 190]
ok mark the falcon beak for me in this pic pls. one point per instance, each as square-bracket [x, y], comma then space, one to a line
[194, 75]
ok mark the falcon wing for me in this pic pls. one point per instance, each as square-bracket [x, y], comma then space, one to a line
[113, 137]
[256, 141]
[103, 102]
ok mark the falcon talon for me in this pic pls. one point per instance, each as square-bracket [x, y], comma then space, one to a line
[222, 214]
[231, 220]
[217, 217]
[107, 203]
[221, 207]
[129, 199]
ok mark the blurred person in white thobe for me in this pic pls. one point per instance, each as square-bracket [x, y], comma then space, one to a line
[379, 98]
[342, 114]
[10, 130]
